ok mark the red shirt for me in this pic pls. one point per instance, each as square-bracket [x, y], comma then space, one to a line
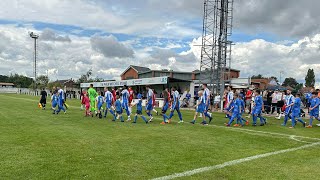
[226, 101]
[153, 99]
[86, 101]
[114, 94]
[248, 95]
[130, 95]
[169, 99]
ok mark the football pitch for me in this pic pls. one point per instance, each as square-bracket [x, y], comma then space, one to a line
[37, 144]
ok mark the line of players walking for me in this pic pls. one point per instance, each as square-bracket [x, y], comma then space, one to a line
[93, 102]
[236, 107]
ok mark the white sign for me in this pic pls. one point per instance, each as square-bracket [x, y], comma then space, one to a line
[131, 82]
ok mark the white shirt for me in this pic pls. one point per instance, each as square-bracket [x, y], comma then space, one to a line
[206, 95]
[230, 96]
[279, 96]
[61, 93]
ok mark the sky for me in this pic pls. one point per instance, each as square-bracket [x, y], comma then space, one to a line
[107, 36]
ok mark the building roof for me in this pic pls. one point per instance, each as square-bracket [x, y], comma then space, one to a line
[65, 81]
[143, 70]
[183, 72]
[166, 71]
[6, 84]
[138, 69]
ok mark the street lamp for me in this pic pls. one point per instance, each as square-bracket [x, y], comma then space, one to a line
[35, 37]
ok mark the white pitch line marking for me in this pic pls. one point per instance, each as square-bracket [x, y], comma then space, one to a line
[293, 137]
[233, 162]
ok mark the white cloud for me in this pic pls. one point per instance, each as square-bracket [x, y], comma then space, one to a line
[267, 58]
[110, 16]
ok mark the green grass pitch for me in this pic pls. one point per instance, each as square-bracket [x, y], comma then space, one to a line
[35, 144]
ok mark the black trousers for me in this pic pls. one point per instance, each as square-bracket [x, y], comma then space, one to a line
[279, 105]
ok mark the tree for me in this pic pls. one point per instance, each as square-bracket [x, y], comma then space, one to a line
[290, 82]
[54, 84]
[42, 81]
[20, 80]
[85, 77]
[310, 78]
[298, 87]
[259, 76]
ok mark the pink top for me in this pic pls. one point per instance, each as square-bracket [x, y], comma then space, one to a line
[86, 101]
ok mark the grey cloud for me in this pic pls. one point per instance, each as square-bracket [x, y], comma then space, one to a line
[292, 18]
[110, 47]
[187, 58]
[50, 35]
[160, 53]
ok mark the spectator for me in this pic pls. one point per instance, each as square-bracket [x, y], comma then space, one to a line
[248, 99]
[269, 101]
[274, 101]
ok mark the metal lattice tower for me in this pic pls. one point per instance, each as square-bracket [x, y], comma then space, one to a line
[216, 48]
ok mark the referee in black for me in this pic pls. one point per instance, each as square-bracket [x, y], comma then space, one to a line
[43, 98]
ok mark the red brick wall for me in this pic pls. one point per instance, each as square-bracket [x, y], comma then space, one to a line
[193, 77]
[234, 74]
[130, 74]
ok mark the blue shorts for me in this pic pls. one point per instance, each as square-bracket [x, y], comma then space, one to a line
[165, 108]
[125, 105]
[99, 106]
[314, 113]
[60, 103]
[119, 112]
[295, 115]
[200, 109]
[54, 105]
[257, 111]
[235, 115]
[149, 107]
[176, 107]
[139, 112]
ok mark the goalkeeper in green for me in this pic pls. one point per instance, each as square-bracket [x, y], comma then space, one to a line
[92, 96]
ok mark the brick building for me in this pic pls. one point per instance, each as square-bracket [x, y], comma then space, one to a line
[132, 72]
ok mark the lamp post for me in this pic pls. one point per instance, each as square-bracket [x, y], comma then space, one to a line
[35, 37]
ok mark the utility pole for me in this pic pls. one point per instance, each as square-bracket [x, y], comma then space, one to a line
[35, 37]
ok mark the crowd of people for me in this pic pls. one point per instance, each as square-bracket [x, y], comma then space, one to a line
[236, 103]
